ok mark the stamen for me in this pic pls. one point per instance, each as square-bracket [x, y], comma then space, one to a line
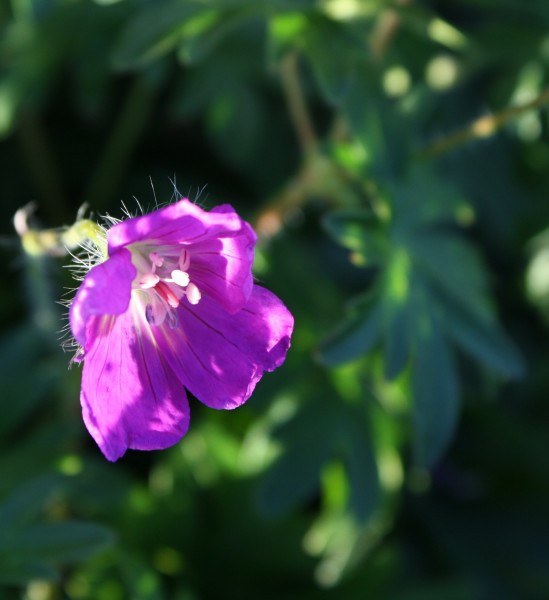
[193, 294]
[184, 260]
[156, 260]
[148, 280]
[180, 277]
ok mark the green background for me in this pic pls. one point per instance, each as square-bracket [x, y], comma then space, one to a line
[402, 451]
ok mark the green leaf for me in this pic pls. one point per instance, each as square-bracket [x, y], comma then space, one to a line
[65, 542]
[13, 572]
[482, 337]
[152, 32]
[357, 229]
[436, 394]
[21, 349]
[421, 199]
[360, 464]
[206, 32]
[333, 49]
[294, 478]
[397, 341]
[27, 501]
[452, 264]
[358, 334]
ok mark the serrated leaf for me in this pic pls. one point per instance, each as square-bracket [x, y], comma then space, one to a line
[436, 394]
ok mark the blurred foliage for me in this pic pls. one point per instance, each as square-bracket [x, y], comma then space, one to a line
[394, 159]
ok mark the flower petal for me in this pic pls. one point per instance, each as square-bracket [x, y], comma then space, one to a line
[221, 267]
[130, 398]
[181, 222]
[220, 245]
[220, 357]
[106, 290]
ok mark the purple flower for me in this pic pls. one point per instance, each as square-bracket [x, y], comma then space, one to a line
[173, 306]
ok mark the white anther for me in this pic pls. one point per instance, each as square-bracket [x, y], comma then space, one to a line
[148, 280]
[180, 277]
[193, 294]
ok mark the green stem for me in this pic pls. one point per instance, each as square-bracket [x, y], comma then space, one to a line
[482, 128]
[296, 104]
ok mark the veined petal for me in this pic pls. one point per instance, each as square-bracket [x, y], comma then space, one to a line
[106, 290]
[130, 397]
[220, 357]
[221, 267]
[181, 222]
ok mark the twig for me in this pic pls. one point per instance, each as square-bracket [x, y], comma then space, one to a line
[296, 103]
[482, 128]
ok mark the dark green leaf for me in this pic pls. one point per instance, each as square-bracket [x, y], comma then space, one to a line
[333, 49]
[359, 230]
[66, 542]
[397, 338]
[152, 32]
[294, 477]
[356, 336]
[453, 264]
[436, 394]
[483, 338]
[360, 463]
[27, 501]
[13, 572]
[20, 350]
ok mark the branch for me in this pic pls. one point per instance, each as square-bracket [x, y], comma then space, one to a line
[482, 128]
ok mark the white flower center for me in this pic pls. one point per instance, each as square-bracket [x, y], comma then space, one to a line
[163, 280]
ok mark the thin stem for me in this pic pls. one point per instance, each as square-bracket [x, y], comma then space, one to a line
[296, 104]
[483, 127]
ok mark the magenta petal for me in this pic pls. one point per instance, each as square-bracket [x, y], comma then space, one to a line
[220, 357]
[130, 398]
[182, 222]
[221, 267]
[106, 290]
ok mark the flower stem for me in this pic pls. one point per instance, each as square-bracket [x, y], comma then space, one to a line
[482, 128]
[296, 104]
